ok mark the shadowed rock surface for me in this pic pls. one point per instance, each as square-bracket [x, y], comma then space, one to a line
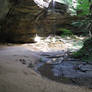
[19, 21]
[25, 19]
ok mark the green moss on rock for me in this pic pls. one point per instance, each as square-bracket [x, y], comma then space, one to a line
[65, 32]
[85, 53]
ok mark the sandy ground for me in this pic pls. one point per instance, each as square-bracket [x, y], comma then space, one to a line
[16, 77]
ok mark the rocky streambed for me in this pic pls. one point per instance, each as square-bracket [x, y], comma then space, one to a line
[55, 61]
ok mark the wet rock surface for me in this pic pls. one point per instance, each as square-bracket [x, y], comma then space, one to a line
[68, 71]
[56, 63]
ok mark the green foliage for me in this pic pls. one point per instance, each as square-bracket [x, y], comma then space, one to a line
[79, 6]
[83, 7]
[77, 24]
[84, 26]
[85, 53]
[65, 32]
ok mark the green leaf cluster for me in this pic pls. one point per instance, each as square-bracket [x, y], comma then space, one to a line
[83, 7]
[65, 32]
[85, 53]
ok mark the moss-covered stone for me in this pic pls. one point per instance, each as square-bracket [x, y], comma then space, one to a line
[85, 53]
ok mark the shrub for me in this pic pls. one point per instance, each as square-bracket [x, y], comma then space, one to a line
[65, 32]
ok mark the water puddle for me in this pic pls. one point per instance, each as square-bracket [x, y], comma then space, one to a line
[55, 62]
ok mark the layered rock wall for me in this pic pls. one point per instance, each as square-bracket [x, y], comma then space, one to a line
[4, 7]
[25, 19]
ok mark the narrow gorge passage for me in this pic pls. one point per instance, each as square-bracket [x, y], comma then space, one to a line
[45, 46]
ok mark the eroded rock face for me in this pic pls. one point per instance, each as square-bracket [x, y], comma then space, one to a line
[19, 22]
[50, 17]
[25, 19]
[5, 5]
[59, 7]
[3, 8]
